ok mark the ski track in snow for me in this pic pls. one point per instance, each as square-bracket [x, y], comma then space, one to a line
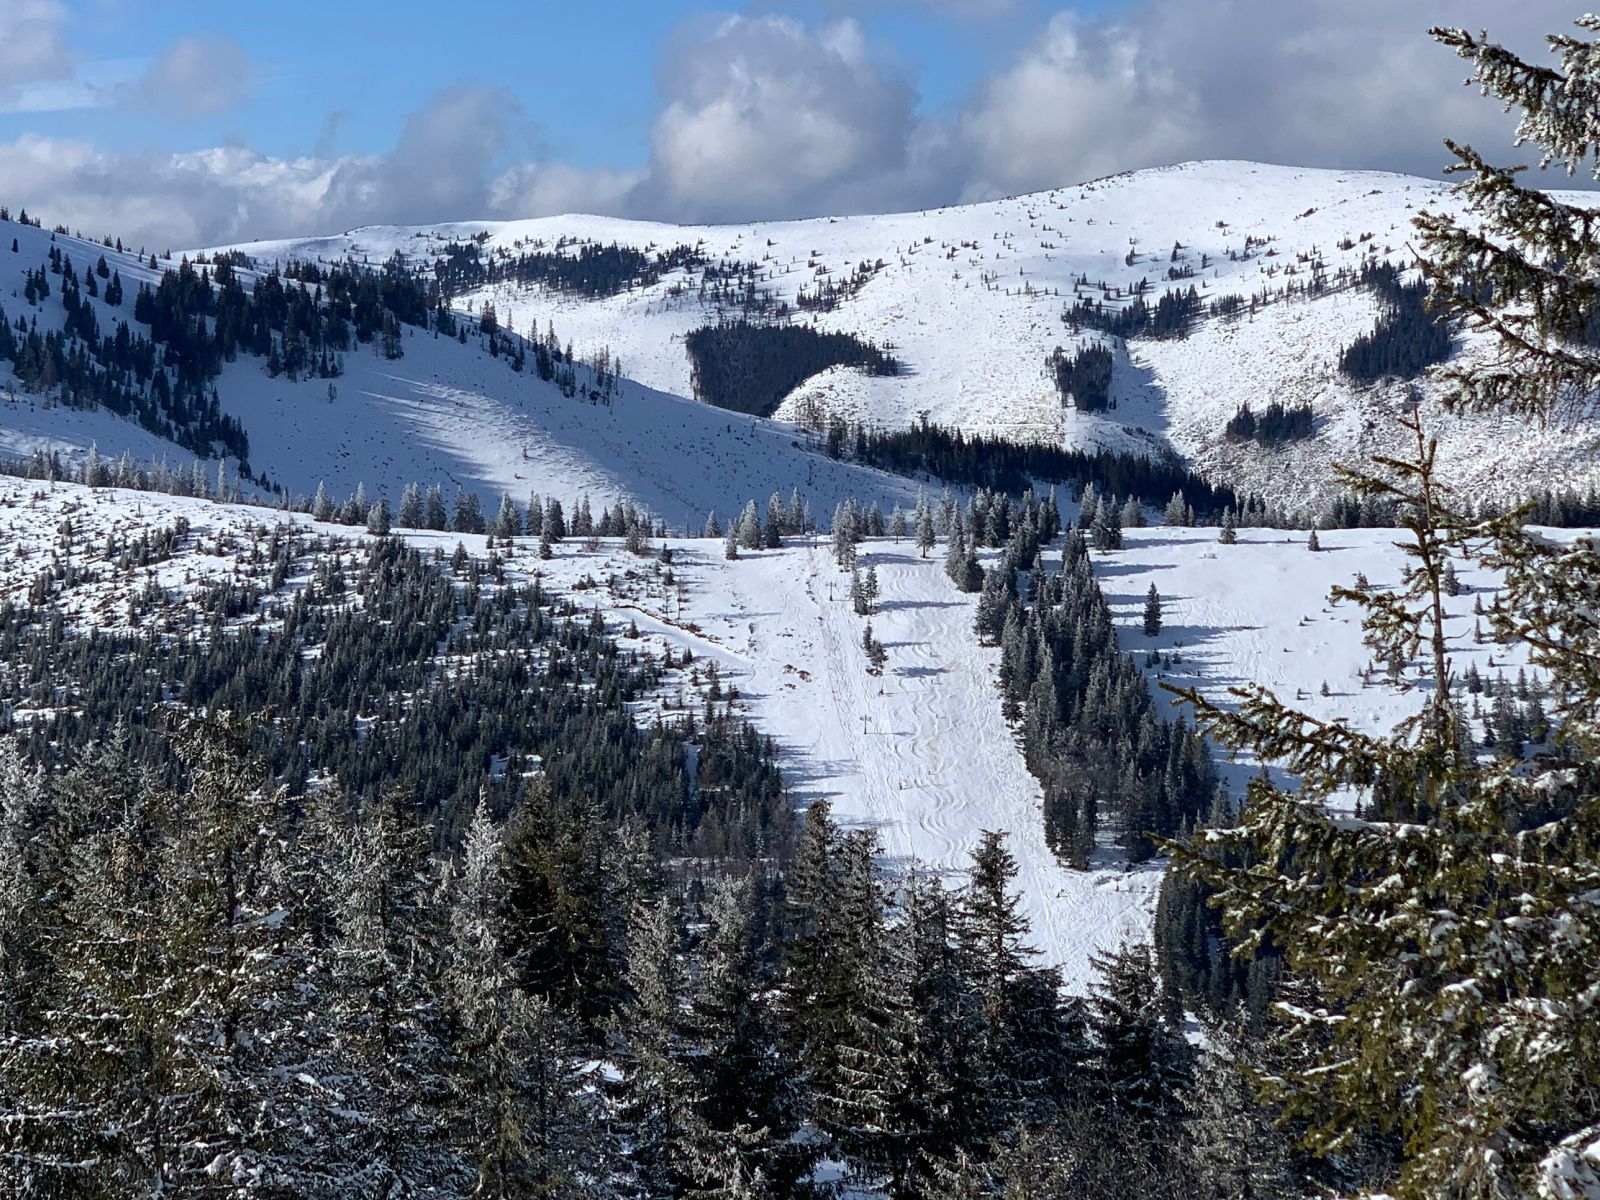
[921, 755]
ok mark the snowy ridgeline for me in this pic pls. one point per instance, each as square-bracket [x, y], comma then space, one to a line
[443, 413]
[920, 753]
[971, 299]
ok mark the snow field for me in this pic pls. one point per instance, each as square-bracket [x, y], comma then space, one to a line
[1258, 612]
[970, 298]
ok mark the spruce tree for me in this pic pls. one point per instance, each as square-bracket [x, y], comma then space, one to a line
[434, 516]
[1152, 612]
[410, 514]
[1426, 935]
[924, 526]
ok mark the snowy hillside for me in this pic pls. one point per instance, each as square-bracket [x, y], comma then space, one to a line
[920, 754]
[1258, 612]
[971, 299]
[444, 413]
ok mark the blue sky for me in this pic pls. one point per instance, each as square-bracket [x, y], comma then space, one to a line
[192, 123]
[584, 73]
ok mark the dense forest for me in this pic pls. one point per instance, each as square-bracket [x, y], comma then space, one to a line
[749, 368]
[163, 380]
[998, 464]
[1084, 379]
[1088, 727]
[1408, 337]
[1273, 426]
[480, 932]
[200, 316]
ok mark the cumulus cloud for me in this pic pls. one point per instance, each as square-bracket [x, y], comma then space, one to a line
[444, 166]
[554, 188]
[163, 200]
[195, 77]
[762, 116]
[1342, 83]
[32, 49]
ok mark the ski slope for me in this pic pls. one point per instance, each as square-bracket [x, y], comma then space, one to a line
[971, 299]
[920, 754]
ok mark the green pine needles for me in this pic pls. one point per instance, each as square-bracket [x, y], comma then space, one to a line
[1442, 944]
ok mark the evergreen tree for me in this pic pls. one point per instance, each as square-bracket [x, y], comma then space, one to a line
[410, 514]
[389, 972]
[748, 527]
[515, 1114]
[1454, 1070]
[955, 555]
[924, 526]
[772, 531]
[468, 516]
[1106, 530]
[750, 1082]
[508, 521]
[555, 520]
[433, 516]
[669, 1145]
[1145, 1065]
[1152, 612]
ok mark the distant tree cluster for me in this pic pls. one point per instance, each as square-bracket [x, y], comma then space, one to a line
[1408, 337]
[163, 381]
[1274, 426]
[1084, 379]
[996, 463]
[590, 269]
[749, 368]
[1088, 727]
[828, 293]
[1172, 316]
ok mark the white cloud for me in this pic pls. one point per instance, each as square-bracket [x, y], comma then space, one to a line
[195, 77]
[1319, 82]
[444, 166]
[162, 200]
[762, 116]
[32, 49]
[550, 189]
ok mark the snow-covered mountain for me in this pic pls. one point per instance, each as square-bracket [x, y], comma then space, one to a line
[971, 299]
[444, 413]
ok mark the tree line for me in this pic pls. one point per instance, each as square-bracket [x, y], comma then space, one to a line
[748, 367]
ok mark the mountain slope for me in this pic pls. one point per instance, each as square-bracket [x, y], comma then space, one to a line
[971, 298]
[445, 413]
